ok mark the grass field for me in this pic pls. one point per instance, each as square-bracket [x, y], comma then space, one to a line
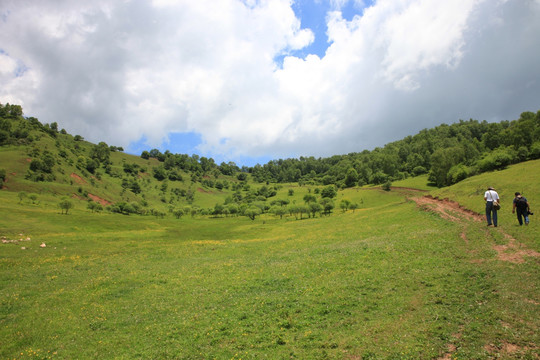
[387, 281]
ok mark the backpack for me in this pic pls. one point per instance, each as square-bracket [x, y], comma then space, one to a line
[521, 203]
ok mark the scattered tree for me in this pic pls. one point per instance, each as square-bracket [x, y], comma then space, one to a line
[65, 205]
[252, 211]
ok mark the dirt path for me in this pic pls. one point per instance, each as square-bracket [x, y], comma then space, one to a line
[513, 251]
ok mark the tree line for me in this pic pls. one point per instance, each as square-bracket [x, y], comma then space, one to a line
[447, 153]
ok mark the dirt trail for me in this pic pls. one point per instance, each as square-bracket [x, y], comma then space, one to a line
[513, 251]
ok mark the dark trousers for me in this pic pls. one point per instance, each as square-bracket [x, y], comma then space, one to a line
[522, 214]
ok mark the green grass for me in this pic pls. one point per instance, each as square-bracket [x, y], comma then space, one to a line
[521, 177]
[418, 182]
[387, 281]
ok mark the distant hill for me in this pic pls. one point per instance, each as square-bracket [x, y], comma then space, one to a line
[38, 158]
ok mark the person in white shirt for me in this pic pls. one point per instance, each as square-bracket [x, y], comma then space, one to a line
[491, 197]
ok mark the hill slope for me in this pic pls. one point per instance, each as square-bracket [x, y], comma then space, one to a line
[387, 280]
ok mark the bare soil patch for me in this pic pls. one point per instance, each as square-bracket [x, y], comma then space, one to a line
[79, 180]
[513, 251]
[201, 190]
[447, 209]
[99, 200]
[507, 349]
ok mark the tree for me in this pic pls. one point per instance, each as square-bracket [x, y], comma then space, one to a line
[252, 211]
[22, 195]
[280, 202]
[65, 204]
[4, 137]
[329, 192]
[351, 179]
[135, 187]
[101, 152]
[387, 186]
[218, 209]
[497, 159]
[457, 173]
[2, 177]
[315, 207]
[91, 165]
[278, 211]
[178, 213]
[159, 173]
[303, 209]
[328, 205]
[233, 209]
[442, 161]
[33, 197]
[94, 206]
[54, 127]
[345, 204]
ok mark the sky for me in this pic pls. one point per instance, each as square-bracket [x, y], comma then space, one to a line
[249, 81]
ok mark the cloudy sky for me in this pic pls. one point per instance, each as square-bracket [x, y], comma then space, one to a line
[253, 80]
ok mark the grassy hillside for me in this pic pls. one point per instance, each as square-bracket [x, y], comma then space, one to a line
[386, 281]
[394, 275]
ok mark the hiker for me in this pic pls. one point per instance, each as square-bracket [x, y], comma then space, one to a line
[522, 206]
[491, 197]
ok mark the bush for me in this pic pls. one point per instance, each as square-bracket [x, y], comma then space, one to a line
[387, 186]
[419, 170]
[65, 204]
[329, 192]
[4, 137]
[124, 208]
[178, 213]
[379, 178]
[497, 159]
[159, 173]
[535, 150]
[458, 173]
[95, 207]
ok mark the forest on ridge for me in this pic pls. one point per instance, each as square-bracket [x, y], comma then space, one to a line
[448, 153]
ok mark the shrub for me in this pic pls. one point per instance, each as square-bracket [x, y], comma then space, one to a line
[94, 206]
[329, 192]
[178, 213]
[458, 173]
[2, 177]
[419, 170]
[497, 159]
[535, 150]
[378, 178]
[65, 204]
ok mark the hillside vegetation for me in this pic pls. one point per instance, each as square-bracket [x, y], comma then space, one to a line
[42, 161]
[172, 272]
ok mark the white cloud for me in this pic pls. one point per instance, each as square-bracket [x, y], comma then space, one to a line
[117, 71]
[424, 34]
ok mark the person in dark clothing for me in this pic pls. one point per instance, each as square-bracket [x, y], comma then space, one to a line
[521, 206]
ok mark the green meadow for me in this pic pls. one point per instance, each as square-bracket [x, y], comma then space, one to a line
[388, 280]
